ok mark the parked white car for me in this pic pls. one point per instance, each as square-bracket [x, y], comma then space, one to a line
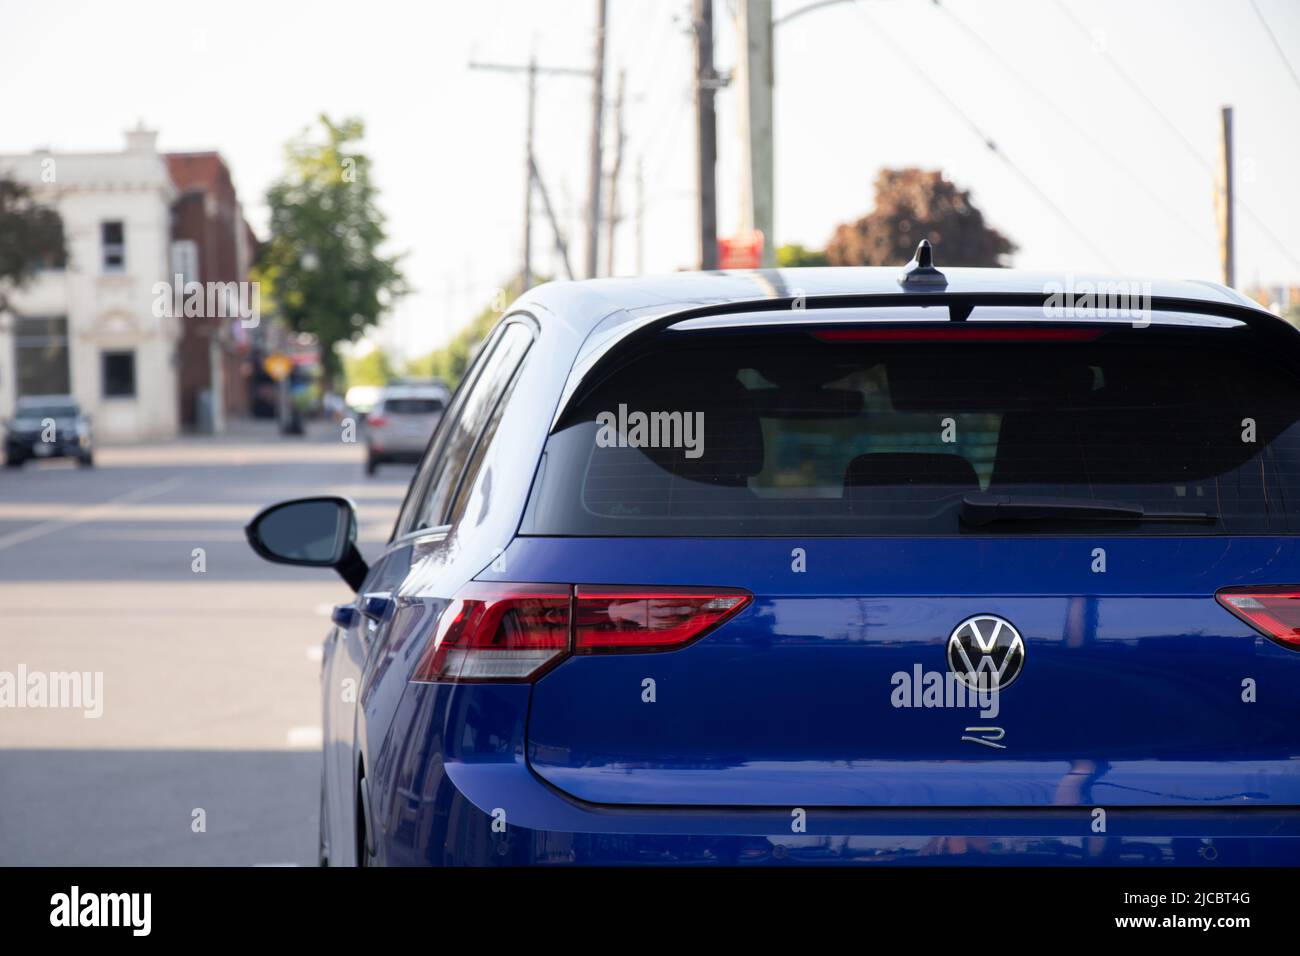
[401, 422]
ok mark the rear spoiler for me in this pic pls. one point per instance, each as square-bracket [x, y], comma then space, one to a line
[802, 310]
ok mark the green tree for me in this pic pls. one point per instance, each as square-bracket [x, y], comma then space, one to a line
[793, 255]
[373, 368]
[31, 236]
[449, 362]
[322, 268]
[915, 204]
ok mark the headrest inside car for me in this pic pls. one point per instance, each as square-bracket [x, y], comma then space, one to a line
[910, 468]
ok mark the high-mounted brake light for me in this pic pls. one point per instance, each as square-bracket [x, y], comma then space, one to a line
[498, 632]
[948, 332]
[517, 632]
[1273, 611]
[609, 619]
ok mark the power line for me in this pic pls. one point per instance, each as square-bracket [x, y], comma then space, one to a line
[652, 142]
[1276, 45]
[1137, 90]
[653, 53]
[662, 149]
[1191, 148]
[532, 71]
[1078, 127]
[678, 100]
[987, 141]
[794, 14]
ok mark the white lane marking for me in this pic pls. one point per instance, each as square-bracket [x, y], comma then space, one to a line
[89, 513]
[307, 738]
[196, 535]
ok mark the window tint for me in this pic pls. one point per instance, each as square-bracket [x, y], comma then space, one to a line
[412, 406]
[782, 433]
[26, 410]
[474, 413]
[481, 448]
[418, 490]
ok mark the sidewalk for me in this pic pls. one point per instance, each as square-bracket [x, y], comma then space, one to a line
[245, 441]
[245, 431]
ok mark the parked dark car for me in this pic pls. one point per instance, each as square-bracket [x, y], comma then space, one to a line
[48, 426]
[699, 569]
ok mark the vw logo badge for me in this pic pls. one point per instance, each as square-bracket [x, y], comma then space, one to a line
[986, 652]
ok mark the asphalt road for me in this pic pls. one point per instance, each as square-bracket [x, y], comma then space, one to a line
[210, 696]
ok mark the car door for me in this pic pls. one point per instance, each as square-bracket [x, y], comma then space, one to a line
[346, 653]
[359, 655]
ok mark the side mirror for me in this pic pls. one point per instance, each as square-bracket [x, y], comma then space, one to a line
[310, 532]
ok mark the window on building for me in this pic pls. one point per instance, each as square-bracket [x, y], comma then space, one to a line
[185, 260]
[41, 355]
[112, 235]
[119, 375]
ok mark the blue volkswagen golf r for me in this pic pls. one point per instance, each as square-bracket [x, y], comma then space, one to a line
[832, 566]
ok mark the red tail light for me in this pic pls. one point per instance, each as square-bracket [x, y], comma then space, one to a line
[498, 632]
[516, 632]
[948, 332]
[609, 619]
[1273, 611]
[377, 421]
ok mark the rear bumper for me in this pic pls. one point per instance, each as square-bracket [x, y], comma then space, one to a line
[451, 795]
[395, 451]
[71, 448]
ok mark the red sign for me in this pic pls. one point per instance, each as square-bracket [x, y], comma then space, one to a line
[744, 251]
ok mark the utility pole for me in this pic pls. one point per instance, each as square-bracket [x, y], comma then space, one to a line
[1223, 202]
[640, 216]
[526, 273]
[561, 246]
[755, 76]
[706, 136]
[597, 115]
[614, 216]
[532, 71]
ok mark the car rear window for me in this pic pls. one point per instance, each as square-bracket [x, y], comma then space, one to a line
[46, 411]
[412, 406]
[762, 433]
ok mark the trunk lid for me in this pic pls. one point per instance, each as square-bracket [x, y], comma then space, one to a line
[821, 692]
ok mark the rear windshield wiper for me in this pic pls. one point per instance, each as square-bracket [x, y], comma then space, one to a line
[983, 508]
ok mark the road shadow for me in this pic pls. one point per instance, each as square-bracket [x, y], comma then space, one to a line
[136, 807]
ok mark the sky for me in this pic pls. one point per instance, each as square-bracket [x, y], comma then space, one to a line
[1105, 114]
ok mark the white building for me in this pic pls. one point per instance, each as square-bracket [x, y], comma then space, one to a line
[89, 329]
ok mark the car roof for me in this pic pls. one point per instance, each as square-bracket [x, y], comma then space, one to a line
[586, 303]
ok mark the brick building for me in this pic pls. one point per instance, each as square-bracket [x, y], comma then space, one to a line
[211, 243]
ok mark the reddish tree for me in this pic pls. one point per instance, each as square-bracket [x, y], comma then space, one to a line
[915, 204]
